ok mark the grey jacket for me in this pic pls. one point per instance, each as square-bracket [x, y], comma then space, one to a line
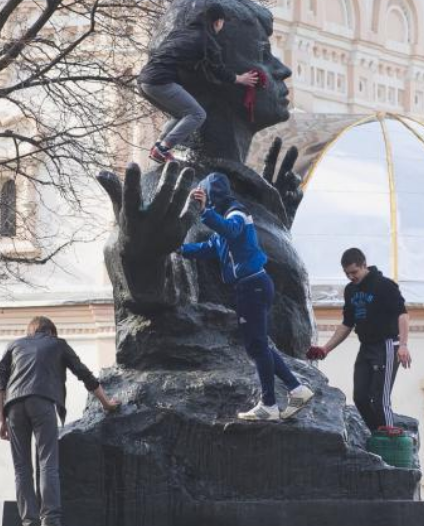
[36, 365]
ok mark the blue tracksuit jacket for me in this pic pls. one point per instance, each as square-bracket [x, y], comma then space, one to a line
[235, 242]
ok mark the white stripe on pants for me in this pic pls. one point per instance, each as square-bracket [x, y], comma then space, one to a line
[390, 358]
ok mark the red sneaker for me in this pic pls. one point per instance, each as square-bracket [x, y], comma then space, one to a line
[161, 155]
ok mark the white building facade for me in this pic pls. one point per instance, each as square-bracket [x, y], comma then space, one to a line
[353, 56]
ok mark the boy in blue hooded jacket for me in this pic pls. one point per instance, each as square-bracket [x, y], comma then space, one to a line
[235, 244]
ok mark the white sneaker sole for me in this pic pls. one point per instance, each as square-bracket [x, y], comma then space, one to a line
[253, 418]
[158, 161]
[305, 403]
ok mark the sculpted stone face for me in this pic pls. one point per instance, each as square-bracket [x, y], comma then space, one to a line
[246, 45]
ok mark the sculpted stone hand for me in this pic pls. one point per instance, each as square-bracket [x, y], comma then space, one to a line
[137, 253]
[287, 182]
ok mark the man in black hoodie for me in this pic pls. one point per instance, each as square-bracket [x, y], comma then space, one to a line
[192, 48]
[376, 309]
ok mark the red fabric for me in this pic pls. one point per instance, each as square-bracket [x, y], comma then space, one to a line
[316, 353]
[391, 431]
[250, 94]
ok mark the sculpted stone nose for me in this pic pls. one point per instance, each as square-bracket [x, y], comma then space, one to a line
[282, 72]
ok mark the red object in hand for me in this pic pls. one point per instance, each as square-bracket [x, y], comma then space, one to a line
[250, 95]
[316, 353]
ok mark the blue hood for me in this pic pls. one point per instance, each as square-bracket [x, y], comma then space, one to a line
[218, 190]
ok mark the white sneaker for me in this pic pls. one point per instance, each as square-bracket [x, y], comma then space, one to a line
[261, 412]
[298, 398]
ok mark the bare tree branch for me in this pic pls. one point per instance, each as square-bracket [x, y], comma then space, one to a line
[7, 10]
[15, 47]
[36, 260]
[69, 107]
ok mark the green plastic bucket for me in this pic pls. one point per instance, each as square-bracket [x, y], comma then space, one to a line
[393, 445]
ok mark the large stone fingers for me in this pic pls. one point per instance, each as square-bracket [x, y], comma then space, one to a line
[132, 192]
[182, 189]
[286, 169]
[165, 191]
[113, 187]
[271, 160]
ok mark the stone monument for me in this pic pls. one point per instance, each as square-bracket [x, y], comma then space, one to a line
[175, 454]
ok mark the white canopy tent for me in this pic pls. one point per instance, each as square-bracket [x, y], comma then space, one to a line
[366, 189]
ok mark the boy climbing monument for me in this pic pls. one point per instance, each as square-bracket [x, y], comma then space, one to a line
[189, 49]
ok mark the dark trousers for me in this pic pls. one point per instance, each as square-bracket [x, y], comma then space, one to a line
[254, 298]
[187, 114]
[35, 416]
[375, 372]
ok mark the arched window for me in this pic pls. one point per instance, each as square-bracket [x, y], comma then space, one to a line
[339, 13]
[397, 22]
[397, 25]
[8, 209]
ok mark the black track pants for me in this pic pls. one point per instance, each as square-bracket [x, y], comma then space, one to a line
[375, 371]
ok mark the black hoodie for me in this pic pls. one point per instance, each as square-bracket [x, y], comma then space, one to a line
[373, 307]
[185, 49]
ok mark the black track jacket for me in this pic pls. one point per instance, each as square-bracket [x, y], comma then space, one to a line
[185, 49]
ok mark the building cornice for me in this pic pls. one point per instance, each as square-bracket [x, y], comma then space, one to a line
[89, 320]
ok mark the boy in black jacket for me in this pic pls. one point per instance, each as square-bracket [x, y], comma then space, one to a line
[186, 49]
[32, 389]
[376, 308]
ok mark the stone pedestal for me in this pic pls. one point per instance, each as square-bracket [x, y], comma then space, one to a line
[10, 514]
[176, 454]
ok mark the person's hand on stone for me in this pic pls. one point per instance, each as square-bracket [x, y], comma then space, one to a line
[112, 406]
[109, 405]
[287, 182]
[250, 78]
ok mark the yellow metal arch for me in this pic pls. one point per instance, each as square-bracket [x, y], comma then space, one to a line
[394, 245]
[381, 117]
[317, 161]
[401, 119]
